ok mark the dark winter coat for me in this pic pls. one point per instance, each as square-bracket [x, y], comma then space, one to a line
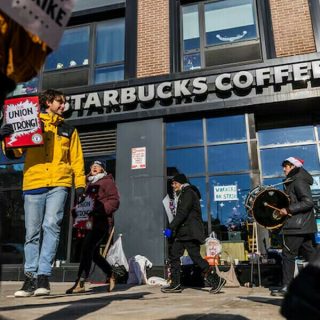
[187, 223]
[107, 201]
[301, 204]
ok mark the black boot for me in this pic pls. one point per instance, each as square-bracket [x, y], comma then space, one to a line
[172, 288]
[214, 281]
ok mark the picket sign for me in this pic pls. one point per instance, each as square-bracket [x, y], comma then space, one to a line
[43, 18]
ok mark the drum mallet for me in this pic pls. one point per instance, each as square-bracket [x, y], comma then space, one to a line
[266, 204]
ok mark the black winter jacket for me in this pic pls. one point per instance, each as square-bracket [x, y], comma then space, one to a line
[187, 223]
[301, 204]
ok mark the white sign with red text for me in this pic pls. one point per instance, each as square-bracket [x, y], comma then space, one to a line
[138, 158]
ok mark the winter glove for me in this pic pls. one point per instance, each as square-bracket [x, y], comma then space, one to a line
[167, 233]
[6, 130]
[80, 195]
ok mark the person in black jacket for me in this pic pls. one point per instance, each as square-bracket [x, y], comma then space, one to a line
[300, 226]
[187, 231]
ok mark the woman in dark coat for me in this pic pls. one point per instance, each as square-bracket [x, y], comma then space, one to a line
[100, 187]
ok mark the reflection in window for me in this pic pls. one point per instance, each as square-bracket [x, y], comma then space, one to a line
[191, 61]
[228, 158]
[229, 21]
[12, 235]
[230, 213]
[188, 161]
[28, 87]
[286, 135]
[216, 129]
[110, 41]
[271, 159]
[109, 74]
[110, 38]
[191, 35]
[184, 133]
[73, 50]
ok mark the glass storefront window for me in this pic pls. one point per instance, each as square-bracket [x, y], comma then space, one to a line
[184, 133]
[229, 157]
[230, 213]
[271, 159]
[73, 50]
[286, 135]
[222, 153]
[188, 161]
[216, 129]
[229, 21]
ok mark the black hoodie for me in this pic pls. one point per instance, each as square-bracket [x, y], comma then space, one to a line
[301, 204]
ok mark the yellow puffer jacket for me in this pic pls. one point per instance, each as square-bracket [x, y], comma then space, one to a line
[57, 161]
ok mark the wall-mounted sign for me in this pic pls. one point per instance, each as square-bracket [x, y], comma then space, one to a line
[316, 183]
[193, 91]
[23, 115]
[225, 193]
[138, 158]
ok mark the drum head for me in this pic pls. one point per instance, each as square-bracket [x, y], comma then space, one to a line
[262, 209]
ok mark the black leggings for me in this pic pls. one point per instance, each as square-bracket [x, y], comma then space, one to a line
[91, 252]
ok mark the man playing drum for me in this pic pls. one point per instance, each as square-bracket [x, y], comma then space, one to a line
[299, 227]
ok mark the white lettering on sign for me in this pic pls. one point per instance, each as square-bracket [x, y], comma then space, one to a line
[24, 119]
[225, 193]
[45, 18]
[138, 158]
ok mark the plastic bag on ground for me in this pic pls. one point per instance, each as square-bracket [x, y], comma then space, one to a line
[138, 270]
[116, 256]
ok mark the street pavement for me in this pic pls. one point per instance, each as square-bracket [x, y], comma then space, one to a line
[139, 303]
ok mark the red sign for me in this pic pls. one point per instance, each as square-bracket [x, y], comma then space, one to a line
[23, 114]
[83, 211]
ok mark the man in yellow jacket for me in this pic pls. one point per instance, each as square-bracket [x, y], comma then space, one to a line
[49, 172]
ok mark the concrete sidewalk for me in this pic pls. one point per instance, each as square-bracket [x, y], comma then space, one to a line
[139, 303]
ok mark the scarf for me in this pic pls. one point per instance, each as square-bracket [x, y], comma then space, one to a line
[97, 177]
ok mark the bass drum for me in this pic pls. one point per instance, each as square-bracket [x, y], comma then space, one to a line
[261, 203]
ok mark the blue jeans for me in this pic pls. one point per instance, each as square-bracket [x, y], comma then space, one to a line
[43, 212]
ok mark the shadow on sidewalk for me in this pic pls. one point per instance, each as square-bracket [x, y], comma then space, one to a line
[75, 309]
[271, 300]
[210, 316]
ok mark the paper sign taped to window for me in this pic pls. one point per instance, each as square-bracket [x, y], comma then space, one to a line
[23, 114]
[225, 193]
[45, 18]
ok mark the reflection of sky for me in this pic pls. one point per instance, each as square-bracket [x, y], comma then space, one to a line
[16, 167]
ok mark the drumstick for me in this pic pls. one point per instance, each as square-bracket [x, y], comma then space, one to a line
[266, 204]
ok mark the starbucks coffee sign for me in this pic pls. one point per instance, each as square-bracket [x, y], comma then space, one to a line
[197, 90]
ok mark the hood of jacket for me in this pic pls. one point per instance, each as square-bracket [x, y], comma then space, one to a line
[300, 173]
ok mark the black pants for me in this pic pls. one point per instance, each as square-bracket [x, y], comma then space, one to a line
[293, 246]
[91, 252]
[177, 250]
